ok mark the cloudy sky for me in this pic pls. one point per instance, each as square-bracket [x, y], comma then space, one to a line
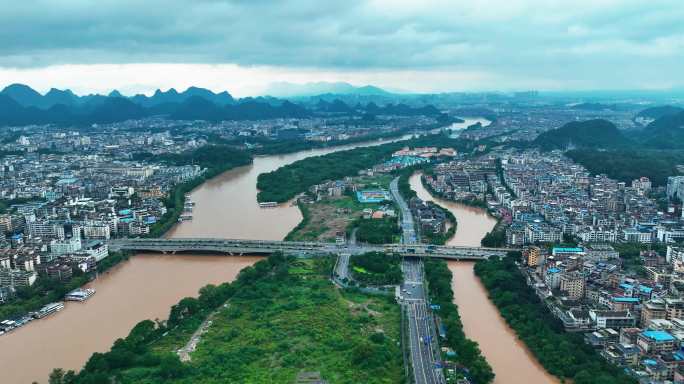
[425, 46]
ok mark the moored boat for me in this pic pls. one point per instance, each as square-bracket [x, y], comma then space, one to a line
[80, 294]
[48, 310]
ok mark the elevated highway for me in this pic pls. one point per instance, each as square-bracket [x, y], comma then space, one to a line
[265, 247]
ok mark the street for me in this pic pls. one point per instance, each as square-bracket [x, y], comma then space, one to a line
[424, 349]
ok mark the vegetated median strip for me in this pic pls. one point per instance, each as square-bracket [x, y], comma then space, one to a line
[562, 354]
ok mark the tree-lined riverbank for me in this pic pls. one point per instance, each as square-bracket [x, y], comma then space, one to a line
[563, 354]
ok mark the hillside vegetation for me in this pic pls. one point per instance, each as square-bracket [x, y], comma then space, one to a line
[583, 134]
[666, 132]
[627, 165]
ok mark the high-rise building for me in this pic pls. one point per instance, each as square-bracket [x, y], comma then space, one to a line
[573, 285]
[534, 256]
[675, 187]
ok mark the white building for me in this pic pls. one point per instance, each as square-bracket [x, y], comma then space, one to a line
[97, 249]
[675, 257]
[65, 247]
[675, 187]
[97, 232]
[636, 236]
[553, 278]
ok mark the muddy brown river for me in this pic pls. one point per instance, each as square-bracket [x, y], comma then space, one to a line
[508, 356]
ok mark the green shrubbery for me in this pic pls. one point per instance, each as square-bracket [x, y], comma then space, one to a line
[376, 231]
[376, 268]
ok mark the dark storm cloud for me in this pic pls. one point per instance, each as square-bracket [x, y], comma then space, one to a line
[581, 40]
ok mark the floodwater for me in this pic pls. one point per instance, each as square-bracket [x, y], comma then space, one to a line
[509, 357]
[147, 286]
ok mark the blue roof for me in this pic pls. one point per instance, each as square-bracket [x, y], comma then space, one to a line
[650, 362]
[645, 289]
[658, 335]
[567, 250]
[626, 299]
[372, 196]
[626, 286]
[553, 270]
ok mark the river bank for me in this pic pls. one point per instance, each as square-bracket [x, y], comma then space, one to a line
[540, 330]
[509, 358]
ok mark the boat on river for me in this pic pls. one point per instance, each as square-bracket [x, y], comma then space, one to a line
[48, 310]
[268, 204]
[80, 294]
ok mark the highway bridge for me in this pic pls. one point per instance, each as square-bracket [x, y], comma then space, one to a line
[265, 247]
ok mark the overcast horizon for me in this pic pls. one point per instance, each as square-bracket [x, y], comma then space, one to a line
[434, 46]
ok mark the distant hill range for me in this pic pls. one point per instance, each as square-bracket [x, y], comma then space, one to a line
[289, 90]
[21, 105]
[596, 133]
[173, 96]
[28, 97]
[594, 107]
[655, 113]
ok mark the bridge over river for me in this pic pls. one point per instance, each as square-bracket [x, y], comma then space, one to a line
[265, 247]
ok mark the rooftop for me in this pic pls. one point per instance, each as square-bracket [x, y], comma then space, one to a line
[658, 335]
